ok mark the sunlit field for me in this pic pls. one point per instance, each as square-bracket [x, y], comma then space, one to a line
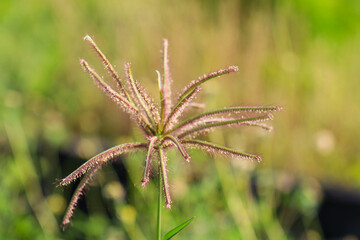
[301, 55]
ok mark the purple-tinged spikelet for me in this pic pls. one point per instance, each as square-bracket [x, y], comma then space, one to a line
[108, 65]
[167, 82]
[151, 147]
[207, 127]
[142, 100]
[216, 149]
[163, 172]
[180, 146]
[100, 160]
[179, 109]
[204, 79]
[79, 192]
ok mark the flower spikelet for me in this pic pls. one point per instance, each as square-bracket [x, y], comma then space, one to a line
[163, 125]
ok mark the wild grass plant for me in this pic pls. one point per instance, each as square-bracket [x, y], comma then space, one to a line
[163, 127]
[302, 54]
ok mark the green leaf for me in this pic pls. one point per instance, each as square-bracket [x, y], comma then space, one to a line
[177, 229]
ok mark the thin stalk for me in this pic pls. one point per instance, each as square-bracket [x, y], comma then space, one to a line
[159, 207]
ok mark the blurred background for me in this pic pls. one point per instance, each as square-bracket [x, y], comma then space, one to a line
[302, 55]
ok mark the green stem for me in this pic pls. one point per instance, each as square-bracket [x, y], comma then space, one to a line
[159, 208]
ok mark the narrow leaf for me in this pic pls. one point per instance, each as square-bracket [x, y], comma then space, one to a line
[177, 229]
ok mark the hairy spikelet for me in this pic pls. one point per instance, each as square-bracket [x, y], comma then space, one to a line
[179, 109]
[216, 149]
[212, 116]
[201, 122]
[108, 66]
[79, 192]
[256, 109]
[154, 111]
[188, 89]
[151, 147]
[166, 101]
[260, 125]
[152, 108]
[116, 97]
[138, 94]
[179, 145]
[125, 104]
[100, 160]
[226, 122]
[163, 172]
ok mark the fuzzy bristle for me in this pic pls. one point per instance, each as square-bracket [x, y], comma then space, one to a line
[166, 101]
[168, 204]
[180, 147]
[79, 192]
[108, 66]
[163, 174]
[100, 160]
[179, 109]
[197, 130]
[204, 79]
[146, 177]
[217, 149]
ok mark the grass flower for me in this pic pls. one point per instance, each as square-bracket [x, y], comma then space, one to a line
[162, 126]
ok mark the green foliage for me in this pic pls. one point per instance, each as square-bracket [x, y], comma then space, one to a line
[177, 229]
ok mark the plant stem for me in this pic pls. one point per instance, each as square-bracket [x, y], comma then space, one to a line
[159, 207]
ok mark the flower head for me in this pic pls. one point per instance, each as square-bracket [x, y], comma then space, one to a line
[162, 126]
